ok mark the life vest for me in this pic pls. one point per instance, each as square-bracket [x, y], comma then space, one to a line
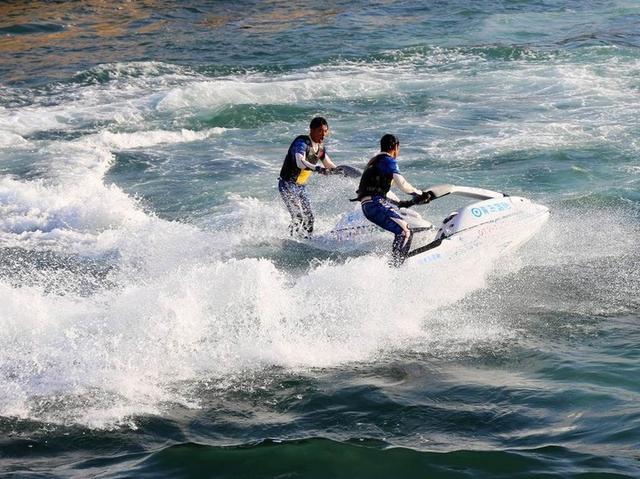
[373, 181]
[290, 170]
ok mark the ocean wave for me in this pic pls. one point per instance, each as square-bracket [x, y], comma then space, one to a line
[146, 139]
[132, 72]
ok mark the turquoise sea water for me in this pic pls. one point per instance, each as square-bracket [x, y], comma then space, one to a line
[155, 321]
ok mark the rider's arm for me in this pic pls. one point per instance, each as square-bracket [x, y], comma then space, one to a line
[301, 161]
[300, 152]
[327, 162]
[392, 196]
[404, 185]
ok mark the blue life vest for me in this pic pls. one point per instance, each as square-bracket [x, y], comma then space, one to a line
[375, 181]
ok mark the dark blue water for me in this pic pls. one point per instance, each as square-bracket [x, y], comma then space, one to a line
[156, 321]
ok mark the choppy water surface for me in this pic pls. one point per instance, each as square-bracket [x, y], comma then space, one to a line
[157, 322]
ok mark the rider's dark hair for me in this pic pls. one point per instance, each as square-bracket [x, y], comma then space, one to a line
[388, 142]
[318, 121]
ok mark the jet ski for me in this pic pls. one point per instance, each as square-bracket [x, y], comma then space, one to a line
[492, 224]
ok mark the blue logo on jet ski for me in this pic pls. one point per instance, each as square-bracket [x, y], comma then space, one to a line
[430, 258]
[489, 209]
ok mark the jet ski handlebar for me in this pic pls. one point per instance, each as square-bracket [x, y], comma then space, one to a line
[438, 191]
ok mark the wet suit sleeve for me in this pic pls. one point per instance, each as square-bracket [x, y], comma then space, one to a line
[390, 167]
[404, 185]
[392, 196]
[327, 162]
[300, 152]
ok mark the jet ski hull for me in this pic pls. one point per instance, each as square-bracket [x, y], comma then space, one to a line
[490, 228]
[493, 225]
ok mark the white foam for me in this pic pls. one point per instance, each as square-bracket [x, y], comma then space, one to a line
[146, 139]
[210, 319]
[9, 139]
[29, 119]
[30, 206]
[126, 100]
[265, 91]
[150, 72]
[72, 208]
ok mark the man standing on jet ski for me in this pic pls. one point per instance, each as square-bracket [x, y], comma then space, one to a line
[375, 183]
[302, 159]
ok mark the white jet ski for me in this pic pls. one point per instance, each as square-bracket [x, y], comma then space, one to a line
[494, 224]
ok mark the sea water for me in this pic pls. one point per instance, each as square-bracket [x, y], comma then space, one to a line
[157, 321]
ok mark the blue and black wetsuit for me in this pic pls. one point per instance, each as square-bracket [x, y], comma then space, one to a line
[372, 193]
[292, 181]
